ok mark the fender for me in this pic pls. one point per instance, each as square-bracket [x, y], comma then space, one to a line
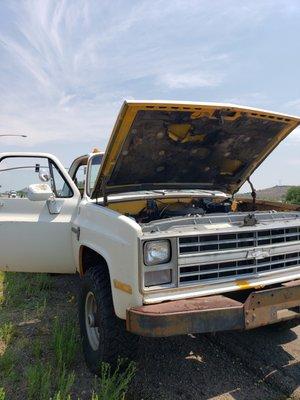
[124, 293]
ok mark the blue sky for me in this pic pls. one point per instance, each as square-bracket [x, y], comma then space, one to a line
[66, 67]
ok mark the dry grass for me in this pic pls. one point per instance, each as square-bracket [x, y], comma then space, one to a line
[40, 353]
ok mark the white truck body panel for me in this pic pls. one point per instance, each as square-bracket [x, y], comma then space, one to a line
[115, 238]
[33, 240]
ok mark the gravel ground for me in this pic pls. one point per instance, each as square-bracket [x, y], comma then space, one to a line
[261, 364]
[257, 365]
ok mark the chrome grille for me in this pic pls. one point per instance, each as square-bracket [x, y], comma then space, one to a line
[239, 240]
[236, 269]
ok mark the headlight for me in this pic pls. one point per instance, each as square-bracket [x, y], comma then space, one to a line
[157, 252]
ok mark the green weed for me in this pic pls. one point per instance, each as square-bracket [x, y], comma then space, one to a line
[58, 396]
[41, 307]
[64, 385]
[65, 343]
[8, 373]
[51, 377]
[24, 289]
[7, 332]
[113, 385]
[37, 348]
[42, 282]
[1, 288]
[8, 361]
[39, 381]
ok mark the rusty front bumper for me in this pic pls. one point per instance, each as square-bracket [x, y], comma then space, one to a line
[216, 313]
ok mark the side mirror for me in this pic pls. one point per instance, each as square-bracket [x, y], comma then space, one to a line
[39, 192]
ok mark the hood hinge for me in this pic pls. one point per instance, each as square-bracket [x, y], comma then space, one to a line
[103, 190]
[253, 194]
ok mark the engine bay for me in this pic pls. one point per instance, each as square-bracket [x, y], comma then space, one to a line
[155, 209]
[150, 209]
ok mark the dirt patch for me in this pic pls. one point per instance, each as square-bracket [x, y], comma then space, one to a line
[260, 364]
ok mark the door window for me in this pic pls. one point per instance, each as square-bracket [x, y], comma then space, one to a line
[17, 173]
[94, 167]
[79, 177]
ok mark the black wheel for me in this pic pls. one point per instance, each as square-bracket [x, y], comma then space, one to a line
[104, 337]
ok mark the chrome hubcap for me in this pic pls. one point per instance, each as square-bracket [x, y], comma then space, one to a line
[92, 329]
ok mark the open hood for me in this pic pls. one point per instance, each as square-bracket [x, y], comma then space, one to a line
[181, 145]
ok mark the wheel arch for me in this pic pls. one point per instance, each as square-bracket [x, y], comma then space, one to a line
[87, 257]
[122, 292]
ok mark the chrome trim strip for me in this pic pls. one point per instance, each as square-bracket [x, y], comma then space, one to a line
[236, 255]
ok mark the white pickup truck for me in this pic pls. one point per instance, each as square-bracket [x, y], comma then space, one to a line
[154, 230]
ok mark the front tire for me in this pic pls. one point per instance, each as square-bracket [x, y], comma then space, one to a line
[104, 337]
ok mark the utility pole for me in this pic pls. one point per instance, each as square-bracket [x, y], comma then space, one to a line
[19, 135]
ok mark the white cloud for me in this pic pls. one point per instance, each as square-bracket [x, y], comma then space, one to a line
[255, 99]
[66, 66]
[295, 162]
[293, 106]
[66, 99]
[189, 80]
[294, 136]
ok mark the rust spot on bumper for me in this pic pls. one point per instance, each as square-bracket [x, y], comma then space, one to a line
[273, 305]
[204, 314]
[215, 313]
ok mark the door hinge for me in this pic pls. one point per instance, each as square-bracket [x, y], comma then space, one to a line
[76, 230]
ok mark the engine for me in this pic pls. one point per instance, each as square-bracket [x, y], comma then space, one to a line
[156, 209]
